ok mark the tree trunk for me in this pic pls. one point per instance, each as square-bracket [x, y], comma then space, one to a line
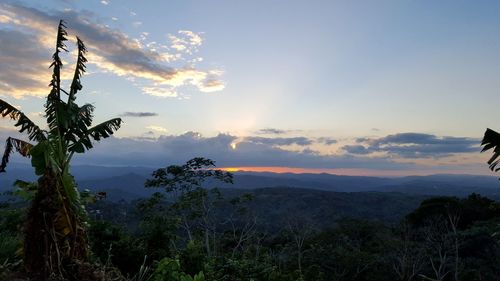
[54, 236]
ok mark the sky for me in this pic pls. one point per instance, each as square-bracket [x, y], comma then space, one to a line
[387, 88]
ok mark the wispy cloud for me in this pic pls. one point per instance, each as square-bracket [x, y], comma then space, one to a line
[139, 114]
[271, 131]
[110, 50]
[302, 141]
[157, 128]
[161, 92]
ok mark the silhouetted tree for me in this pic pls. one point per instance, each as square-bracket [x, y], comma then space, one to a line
[55, 232]
[193, 203]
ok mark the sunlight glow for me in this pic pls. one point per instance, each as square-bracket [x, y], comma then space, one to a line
[233, 145]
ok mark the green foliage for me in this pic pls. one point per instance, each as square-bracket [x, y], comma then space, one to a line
[111, 243]
[144, 274]
[228, 269]
[471, 209]
[25, 190]
[170, 270]
[188, 176]
[158, 226]
[11, 219]
[192, 258]
[9, 246]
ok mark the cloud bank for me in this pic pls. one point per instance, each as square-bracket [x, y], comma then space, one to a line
[432, 153]
[233, 151]
[414, 145]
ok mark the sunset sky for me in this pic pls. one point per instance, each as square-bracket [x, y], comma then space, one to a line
[384, 88]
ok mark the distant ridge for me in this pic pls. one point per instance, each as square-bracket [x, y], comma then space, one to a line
[128, 182]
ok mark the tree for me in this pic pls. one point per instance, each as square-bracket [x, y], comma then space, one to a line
[192, 203]
[300, 229]
[55, 232]
[407, 257]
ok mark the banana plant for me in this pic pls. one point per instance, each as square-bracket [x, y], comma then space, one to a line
[55, 232]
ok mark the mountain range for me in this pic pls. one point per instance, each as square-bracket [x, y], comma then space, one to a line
[128, 182]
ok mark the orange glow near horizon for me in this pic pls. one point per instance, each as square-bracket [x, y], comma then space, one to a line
[350, 171]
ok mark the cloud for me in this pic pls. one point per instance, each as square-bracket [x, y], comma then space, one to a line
[356, 149]
[415, 145]
[148, 150]
[193, 39]
[157, 128]
[211, 85]
[271, 131]
[185, 41]
[110, 50]
[105, 3]
[139, 114]
[327, 140]
[302, 141]
[23, 70]
[361, 140]
[169, 149]
[160, 92]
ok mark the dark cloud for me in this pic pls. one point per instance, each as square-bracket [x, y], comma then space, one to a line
[280, 141]
[356, 149]
[23, 70]
[361, 140]
[415, 145]
[271, 131]
[327, 141]
[139, 114]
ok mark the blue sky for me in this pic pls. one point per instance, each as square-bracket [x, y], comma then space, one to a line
[391, 87]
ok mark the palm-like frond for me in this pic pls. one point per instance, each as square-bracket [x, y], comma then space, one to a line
[25, 124]
[56, 60]
[80, 118]
[19, 145]
[54, 107]
[491, 140]
[79, 70]
[98, 132]
[105, 129]
[85, 114]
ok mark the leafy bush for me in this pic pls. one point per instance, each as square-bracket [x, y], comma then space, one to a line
[170, 269]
